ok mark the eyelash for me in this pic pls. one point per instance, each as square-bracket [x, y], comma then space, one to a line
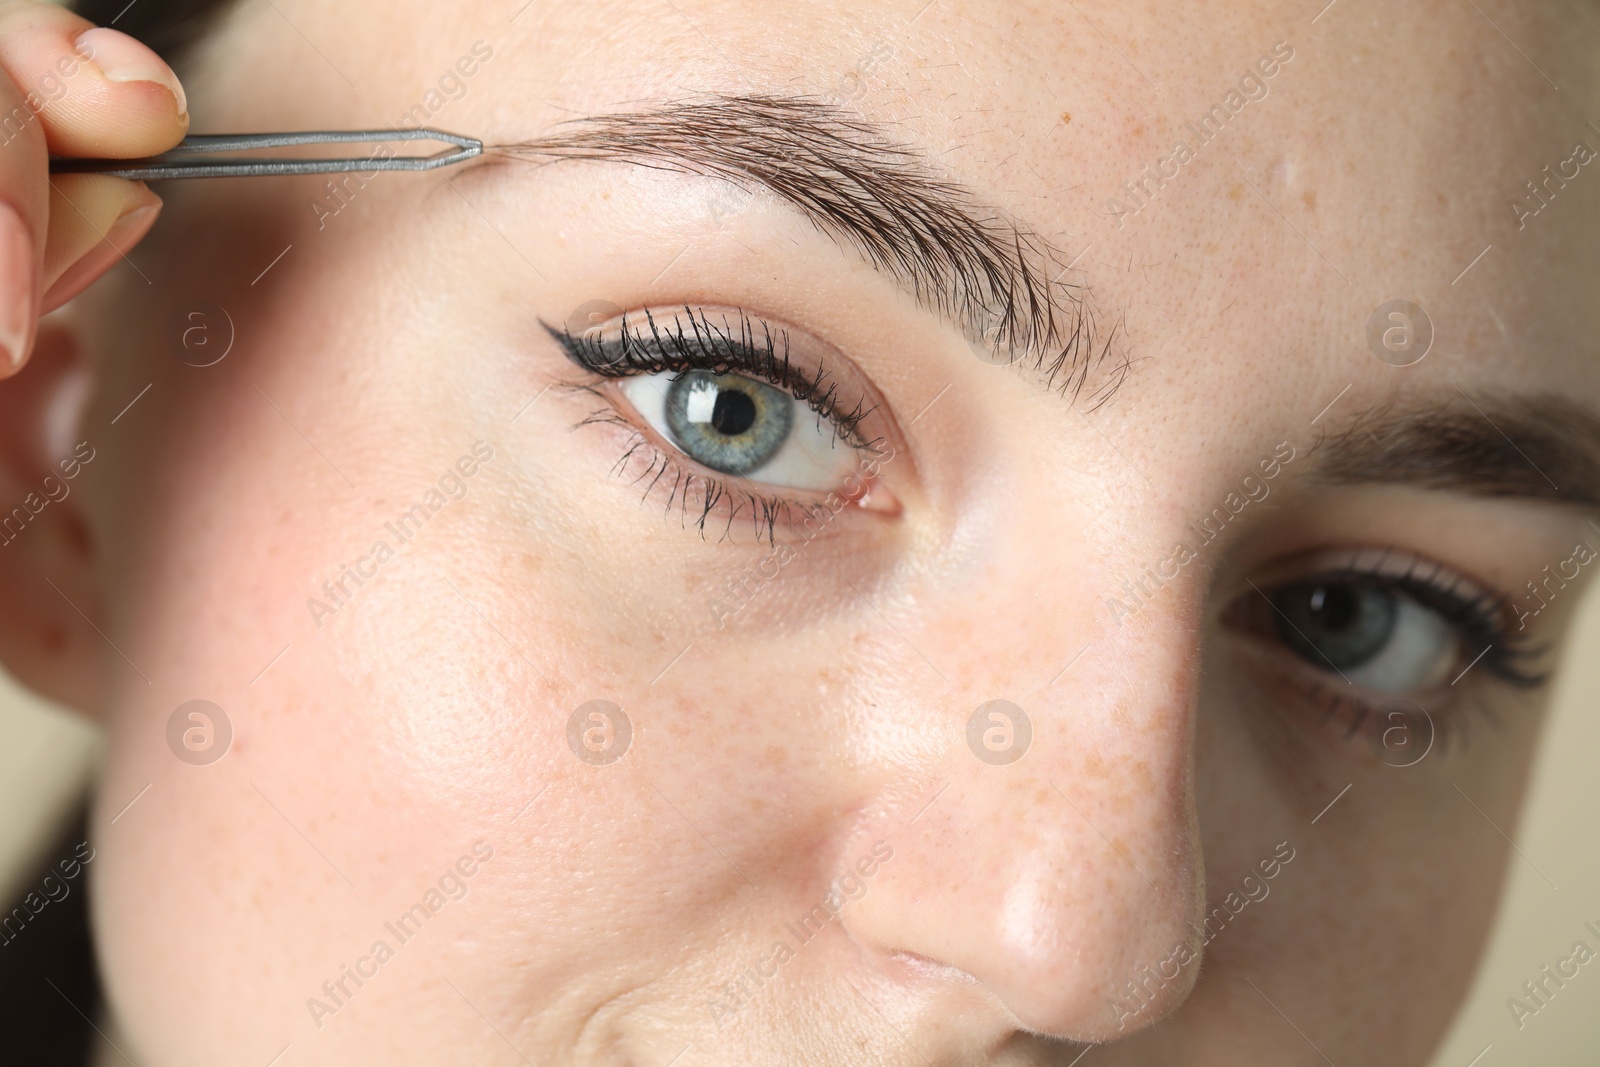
[1479, 619]
[691, 341]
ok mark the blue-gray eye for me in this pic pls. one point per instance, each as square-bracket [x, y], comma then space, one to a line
[735, 424]
[1374, 636]
[1335, 622]
[728, 422]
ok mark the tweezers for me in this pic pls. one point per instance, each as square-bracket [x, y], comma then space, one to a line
[208, 156]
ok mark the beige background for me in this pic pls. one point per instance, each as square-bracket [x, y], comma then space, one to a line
[47, 758]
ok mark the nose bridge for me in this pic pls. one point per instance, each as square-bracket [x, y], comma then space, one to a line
[1061, 865]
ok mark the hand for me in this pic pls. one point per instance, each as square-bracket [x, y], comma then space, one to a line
[69, 88]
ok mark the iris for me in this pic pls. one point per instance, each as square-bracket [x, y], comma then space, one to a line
[728, 422]
[1340, 623]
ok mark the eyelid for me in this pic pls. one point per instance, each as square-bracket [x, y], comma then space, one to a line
[1389, 563]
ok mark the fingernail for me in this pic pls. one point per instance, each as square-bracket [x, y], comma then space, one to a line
[136, 213]
[18, 300]
[123, 59]
[129, 228]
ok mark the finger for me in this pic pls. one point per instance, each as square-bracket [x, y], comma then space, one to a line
[94, 222]
[24, 220]
[94, 91]
[19, 286]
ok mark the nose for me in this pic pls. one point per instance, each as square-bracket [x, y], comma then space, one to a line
[1067, 882]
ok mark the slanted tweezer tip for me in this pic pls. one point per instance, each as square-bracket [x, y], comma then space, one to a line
[208, 156]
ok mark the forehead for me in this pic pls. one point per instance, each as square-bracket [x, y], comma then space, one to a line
[1216, 169]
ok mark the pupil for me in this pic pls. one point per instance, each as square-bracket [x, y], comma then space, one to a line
[733, 413]
[1334, 608]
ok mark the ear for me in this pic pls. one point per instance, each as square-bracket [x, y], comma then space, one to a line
[49, 596]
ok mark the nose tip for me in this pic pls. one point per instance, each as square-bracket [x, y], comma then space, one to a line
[1053, 923]
[1062, 867]
[1058, 982]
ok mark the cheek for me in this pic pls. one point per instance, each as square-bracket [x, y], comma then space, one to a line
[405, 719]
[428, 710]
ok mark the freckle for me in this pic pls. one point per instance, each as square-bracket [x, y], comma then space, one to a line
[1310, 198]
[1138, 129]
[1237, 192]
[1066, 117]
[776, 755]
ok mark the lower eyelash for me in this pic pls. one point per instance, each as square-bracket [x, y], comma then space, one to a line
[698, 497]
[1372, 721]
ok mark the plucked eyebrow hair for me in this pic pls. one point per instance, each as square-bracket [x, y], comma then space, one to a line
[993, 276]
[1541, 446]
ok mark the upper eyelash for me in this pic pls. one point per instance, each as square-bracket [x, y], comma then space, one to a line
[701, 345]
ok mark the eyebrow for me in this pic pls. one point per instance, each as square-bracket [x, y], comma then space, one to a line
[997, 279]
[1539, 447]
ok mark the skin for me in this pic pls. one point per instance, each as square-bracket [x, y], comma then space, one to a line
[769, 754]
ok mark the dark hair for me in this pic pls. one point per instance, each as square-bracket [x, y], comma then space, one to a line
[168, 26]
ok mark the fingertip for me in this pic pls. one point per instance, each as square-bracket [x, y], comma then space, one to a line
[123, 59]
[94, 91]
[95, 221]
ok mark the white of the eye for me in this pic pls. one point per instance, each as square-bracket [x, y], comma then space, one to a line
[648, 395]
[1420, 651]
[813, 457]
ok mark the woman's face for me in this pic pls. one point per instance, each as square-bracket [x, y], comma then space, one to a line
[854, 548]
